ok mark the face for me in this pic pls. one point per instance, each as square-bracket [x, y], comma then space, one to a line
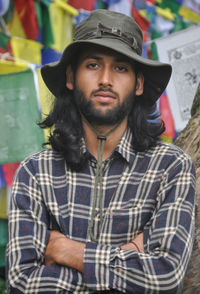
[104, 86]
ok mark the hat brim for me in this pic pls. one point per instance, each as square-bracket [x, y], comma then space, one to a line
[156, 74]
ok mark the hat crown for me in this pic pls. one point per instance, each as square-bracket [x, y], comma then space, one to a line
[103, 23]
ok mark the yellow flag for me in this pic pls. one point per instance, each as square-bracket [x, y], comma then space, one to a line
[61, 15]
[190, 15]
[46, 100]
[3, 203]
[15, 27]
[12, 66]
[166, 13]
[27, 50]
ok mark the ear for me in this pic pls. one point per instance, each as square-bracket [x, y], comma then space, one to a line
[140, 84]
[69, 78]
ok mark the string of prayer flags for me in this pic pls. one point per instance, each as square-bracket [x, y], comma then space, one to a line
[19, 114]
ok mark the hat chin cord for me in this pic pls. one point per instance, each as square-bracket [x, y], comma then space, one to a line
[99, 175]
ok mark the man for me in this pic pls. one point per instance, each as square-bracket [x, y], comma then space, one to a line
[109, 208]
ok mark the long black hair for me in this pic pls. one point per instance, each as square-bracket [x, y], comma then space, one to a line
[66, 129]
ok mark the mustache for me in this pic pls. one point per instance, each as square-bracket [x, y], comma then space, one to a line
[94, 92]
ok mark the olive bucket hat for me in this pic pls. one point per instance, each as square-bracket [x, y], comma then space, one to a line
[115, 31]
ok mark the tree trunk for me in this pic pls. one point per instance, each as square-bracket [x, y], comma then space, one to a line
[189, 141]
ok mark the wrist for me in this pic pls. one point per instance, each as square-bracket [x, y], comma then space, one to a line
[136, 246]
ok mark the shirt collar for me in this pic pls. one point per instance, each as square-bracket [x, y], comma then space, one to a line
[124, 147]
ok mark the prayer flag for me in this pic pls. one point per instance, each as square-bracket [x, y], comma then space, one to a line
[9, 170]
[142, 22]
[46, 100]
[20, 135]
[3, 203]
[4, 40]
[27, 15]
[4, 4]
[122, 6]
[189, 15]
[44, 23]
[15, 27]
[2, 179]
[63, 25]
[167, 117]
[172, 5]
[28, 50]
[11, 66]
[80, 4]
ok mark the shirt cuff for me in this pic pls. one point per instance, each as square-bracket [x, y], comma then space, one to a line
[98, 260]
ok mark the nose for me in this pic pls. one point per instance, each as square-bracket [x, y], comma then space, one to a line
[105, 78]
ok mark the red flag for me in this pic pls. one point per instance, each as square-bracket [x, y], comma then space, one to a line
[9, 170]
[80, 4]
[27, 15]
[167, 117]
[142, 22]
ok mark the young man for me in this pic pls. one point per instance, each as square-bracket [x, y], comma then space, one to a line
[109, 208]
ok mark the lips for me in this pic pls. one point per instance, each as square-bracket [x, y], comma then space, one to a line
[104, 95]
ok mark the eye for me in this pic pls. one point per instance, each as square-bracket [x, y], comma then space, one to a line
[121, 68]
[92, 65]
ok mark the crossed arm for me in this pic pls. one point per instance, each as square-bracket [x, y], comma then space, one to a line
[40, 260]
[67, 252]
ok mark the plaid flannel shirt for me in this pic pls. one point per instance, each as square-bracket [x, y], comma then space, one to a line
[151, 192]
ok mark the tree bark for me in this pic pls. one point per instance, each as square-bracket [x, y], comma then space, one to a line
[189, 141]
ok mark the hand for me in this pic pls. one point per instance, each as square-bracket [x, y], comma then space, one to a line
[139, 240]
[64, 251]
[53, 250]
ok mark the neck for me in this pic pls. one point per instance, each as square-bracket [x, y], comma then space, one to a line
[111, 141]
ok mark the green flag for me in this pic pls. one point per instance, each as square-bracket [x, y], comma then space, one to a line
[19, 114]
[4, 40]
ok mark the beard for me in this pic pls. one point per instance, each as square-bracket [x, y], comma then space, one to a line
[96, 116]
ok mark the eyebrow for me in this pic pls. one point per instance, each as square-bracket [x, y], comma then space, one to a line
[117, 59]
[92, 57]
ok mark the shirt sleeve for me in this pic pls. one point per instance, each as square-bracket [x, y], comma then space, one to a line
[168, 242]
[28, 237]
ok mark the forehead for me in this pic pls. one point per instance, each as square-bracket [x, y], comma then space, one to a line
[90, 51]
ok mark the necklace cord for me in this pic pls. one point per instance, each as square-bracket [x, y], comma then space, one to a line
[98, 178]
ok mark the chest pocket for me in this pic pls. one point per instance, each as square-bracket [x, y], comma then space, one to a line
[122, 221]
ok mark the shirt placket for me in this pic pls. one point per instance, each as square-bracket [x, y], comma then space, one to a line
[96, 219]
